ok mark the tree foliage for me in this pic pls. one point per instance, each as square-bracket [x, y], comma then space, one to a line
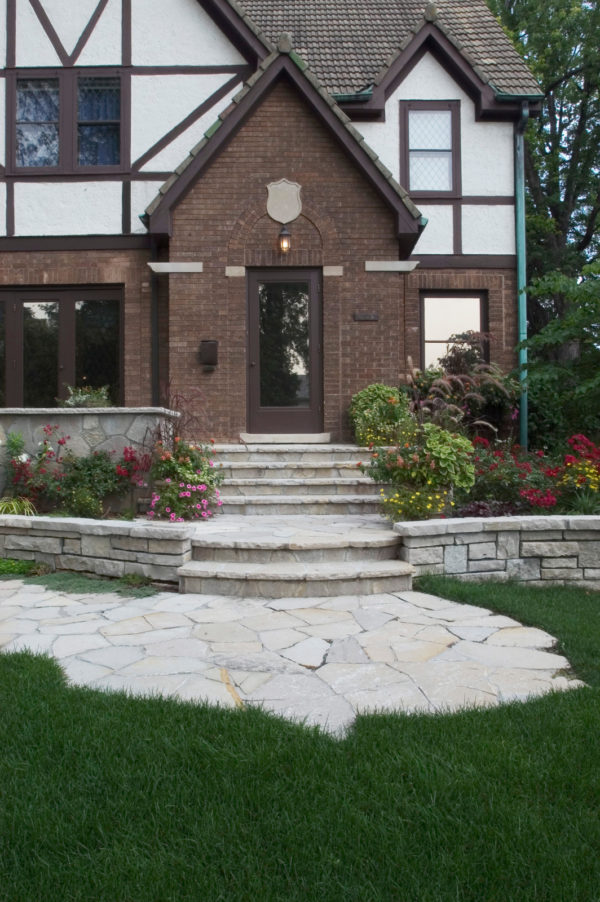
[564, 373]
[560, 41]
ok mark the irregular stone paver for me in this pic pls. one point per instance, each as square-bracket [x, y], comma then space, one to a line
[317, 660]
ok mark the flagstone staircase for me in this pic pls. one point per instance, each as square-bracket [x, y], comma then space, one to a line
[298, 521]
[296, 479]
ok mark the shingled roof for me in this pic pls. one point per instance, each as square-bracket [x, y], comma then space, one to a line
[350, 44]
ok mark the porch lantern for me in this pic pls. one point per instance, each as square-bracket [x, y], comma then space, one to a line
[285, 240]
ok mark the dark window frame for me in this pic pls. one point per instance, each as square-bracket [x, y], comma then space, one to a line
[67, 121]
[452, 106]
[66, 296]
[451, 295]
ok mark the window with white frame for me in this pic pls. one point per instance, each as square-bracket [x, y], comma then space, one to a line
[447, 314]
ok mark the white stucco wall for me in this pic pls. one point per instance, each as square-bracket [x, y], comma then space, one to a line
[488, 229]
[486, 147]
[142, 193]
[174, 153]
[178, 33]
[438, 235]
[160, 102]
[68, 19]
[33, 45]
[81, 208]
[104, 45]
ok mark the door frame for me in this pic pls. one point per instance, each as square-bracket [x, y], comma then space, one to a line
[277, 420]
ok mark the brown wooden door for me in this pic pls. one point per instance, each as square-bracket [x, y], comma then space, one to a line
[285, 391]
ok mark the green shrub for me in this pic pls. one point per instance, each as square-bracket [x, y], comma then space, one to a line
[435, 459]
[87, 396]
[80, 501]
[379, 415]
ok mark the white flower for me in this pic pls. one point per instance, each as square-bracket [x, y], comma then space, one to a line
[23, 458]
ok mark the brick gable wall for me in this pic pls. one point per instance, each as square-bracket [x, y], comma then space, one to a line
[223, 222]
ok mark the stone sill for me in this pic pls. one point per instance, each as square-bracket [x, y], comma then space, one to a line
[72, 411]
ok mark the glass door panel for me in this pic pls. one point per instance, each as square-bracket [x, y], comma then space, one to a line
[40, 353]
[284, 344]
[284, 351]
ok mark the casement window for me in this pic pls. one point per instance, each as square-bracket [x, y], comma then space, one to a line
[66, 121]
[430, 148]
[446, 314]
[54, 337]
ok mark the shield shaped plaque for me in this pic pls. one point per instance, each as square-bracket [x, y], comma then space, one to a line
[283, 203]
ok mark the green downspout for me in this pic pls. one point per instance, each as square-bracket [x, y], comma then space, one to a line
[521, 267]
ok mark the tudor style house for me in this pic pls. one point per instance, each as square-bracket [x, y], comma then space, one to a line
[263, 205]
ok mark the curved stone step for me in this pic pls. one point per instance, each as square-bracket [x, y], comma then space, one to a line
[308, 580]
[356, 545]
[301, 504]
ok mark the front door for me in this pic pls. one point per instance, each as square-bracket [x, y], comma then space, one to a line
[284, 351]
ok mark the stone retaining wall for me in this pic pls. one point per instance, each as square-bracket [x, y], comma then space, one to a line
[103, 547]
[90, 429]
[539, 550]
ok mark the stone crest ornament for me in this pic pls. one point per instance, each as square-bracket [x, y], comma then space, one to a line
[283, 203]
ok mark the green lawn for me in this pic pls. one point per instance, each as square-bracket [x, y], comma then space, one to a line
[105, 797]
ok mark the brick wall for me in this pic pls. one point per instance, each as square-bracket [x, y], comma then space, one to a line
[126, 268]
[500, 289]
[223, 222]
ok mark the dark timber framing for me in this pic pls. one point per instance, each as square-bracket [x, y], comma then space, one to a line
[189, 120]
[430, 39]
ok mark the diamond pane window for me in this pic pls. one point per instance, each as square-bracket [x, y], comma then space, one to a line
[98, 121]
[430, 150]
[37, 122]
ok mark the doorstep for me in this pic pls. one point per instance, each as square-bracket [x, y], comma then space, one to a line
[285, 438]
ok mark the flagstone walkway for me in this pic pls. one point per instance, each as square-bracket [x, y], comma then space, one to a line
[320, 660]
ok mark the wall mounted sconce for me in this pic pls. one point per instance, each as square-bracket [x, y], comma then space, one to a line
[208, 355]
[285, 240]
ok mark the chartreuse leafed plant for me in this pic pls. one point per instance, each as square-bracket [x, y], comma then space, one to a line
[423, 473]
[379, 415]
[185, 483]
[17, 505]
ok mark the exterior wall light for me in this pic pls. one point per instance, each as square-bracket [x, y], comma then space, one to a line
[285, 240]
[208, 355]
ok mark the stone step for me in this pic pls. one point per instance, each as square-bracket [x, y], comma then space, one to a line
[286, 505]
[308, 580]
[298, 453]
[356, 545]
[322, 469]
[266, 485]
